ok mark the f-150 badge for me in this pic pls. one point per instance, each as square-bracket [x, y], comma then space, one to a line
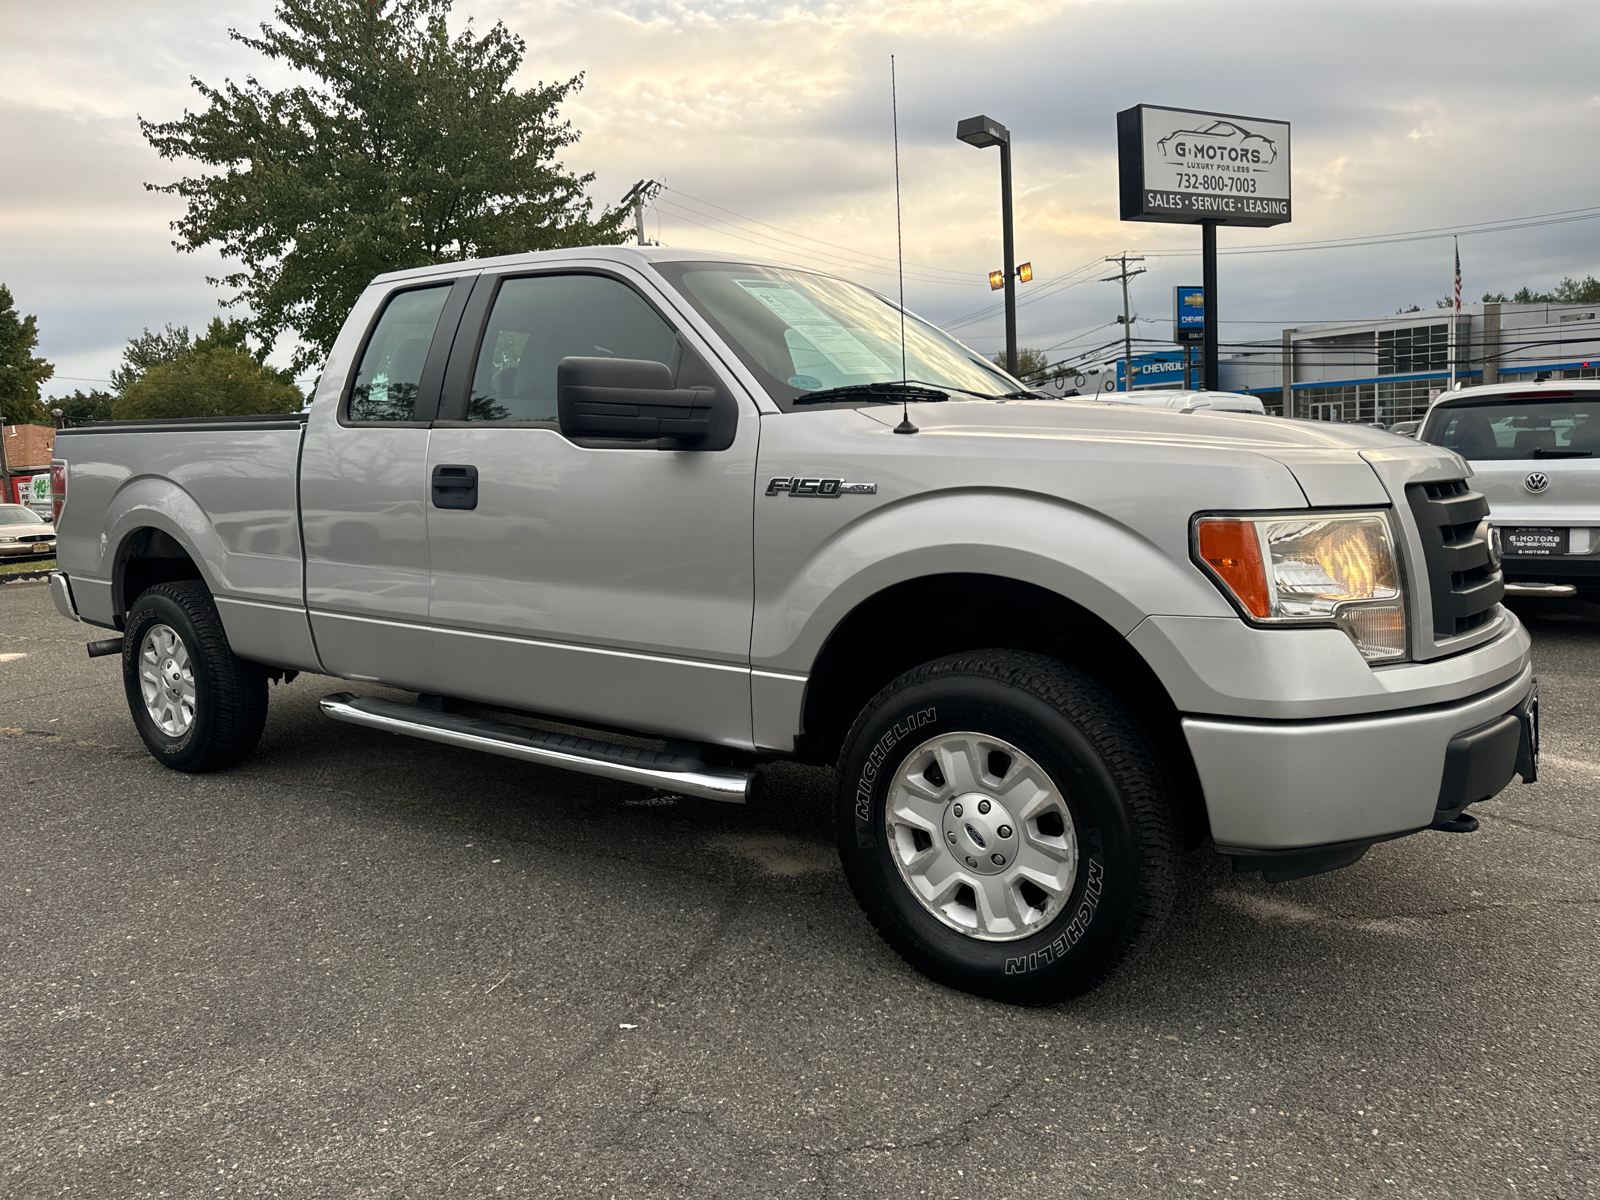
[795, 485]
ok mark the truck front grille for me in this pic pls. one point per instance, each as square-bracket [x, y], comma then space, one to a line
[1464, 582]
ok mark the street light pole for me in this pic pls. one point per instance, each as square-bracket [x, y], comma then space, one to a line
[1010, 256]
[983, 131]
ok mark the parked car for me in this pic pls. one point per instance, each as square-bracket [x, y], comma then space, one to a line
[1535, 453]
[1185, 401]
[705, 501]
[24, 533]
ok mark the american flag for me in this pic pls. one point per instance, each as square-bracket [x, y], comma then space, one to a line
[1458, 275]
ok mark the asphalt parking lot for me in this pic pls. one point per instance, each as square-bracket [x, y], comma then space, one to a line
[364, 966]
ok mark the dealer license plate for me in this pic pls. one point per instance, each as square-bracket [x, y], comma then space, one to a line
[1537, 541]
[43, 548]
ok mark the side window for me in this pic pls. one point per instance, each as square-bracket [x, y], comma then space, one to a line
[538, 320]
[391, 368]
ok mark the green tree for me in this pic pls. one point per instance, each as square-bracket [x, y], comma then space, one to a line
[405, 147]
[234, 335]
[218, 381]
[146, 351]
[21, 372]
[84, 406]
[1568, 291]
[1029, 363]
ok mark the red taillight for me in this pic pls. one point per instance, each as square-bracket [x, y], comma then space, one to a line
[58, 488]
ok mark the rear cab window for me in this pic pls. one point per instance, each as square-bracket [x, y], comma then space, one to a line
[1508, 427]
[384, 389]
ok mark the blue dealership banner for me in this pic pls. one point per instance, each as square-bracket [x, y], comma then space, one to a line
[1188, 314]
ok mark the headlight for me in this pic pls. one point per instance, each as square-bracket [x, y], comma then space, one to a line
[10, 539]
[1312, 570]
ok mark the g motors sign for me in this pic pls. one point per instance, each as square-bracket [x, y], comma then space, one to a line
[1182, 165]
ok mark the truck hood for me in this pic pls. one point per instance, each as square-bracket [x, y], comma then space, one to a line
[1334, 464]
[1079, 419]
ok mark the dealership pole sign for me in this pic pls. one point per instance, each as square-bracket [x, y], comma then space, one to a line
[1185, 166]
[1188, 314]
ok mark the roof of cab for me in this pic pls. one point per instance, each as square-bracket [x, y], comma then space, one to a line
[631, 255]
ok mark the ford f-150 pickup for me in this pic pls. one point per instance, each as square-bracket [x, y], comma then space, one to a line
[716, 512]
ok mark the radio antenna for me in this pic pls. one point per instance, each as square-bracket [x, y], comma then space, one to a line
[905, 425]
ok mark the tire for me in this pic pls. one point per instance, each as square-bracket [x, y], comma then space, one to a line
[197, 705]
[1086, 789]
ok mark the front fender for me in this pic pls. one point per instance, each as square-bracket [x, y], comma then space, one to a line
[1108, 568]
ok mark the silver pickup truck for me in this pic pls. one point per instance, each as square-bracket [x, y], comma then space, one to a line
[716, 512]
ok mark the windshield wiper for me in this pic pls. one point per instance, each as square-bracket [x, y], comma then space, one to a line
[890, 392]
[964, 391]
[1555, 452]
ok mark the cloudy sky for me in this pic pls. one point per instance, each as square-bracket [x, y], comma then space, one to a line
[770, 125]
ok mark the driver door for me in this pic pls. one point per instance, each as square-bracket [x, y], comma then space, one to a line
[608, 583]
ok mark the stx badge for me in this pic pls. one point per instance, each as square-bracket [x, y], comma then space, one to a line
[826, 488]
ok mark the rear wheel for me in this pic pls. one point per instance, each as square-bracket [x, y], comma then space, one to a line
[197, 705]
[1004, 824]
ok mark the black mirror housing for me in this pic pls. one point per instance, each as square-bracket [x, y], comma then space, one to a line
[634, 399]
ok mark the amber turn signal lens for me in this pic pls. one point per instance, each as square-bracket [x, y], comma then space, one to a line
[1233, 551]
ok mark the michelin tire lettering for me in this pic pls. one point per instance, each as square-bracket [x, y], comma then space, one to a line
[1070, 936]
[869, 770]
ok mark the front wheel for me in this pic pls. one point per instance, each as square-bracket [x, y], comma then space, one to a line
[197, 705]
[1004, 823]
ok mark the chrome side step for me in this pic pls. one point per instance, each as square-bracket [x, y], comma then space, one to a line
[686, 776]
[1541, 589]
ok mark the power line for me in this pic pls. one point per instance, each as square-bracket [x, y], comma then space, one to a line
[767, 243]
[960, 275]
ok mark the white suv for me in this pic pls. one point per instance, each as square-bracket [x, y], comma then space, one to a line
[1535, 453]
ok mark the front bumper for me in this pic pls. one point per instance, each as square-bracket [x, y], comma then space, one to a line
[1581, 570]
[1277, 786]
[27, 549]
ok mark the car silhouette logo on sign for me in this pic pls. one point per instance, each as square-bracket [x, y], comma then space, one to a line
[1219, 142]
[1536, 482]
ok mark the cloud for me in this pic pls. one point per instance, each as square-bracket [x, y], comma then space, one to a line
[778, 112]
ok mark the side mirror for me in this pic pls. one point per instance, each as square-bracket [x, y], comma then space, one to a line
[632, 398]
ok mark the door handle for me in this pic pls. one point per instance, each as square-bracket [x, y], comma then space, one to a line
[455, 486]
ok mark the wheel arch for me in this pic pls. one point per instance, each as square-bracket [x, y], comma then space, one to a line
[146, 556]
[918, 620]
[156, 532]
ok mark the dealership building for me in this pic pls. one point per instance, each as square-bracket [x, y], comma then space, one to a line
[1389, 369]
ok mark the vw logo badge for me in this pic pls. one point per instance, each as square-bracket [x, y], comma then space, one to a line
[1536, 482]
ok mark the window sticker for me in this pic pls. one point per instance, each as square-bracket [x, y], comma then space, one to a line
[824, 334]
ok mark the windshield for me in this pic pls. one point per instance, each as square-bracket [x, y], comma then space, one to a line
[15, 514]
[800, 333]
[1568, 428]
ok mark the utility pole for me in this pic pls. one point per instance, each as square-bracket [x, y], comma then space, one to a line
[1126, 320]
[5, 467]
[638, 195]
